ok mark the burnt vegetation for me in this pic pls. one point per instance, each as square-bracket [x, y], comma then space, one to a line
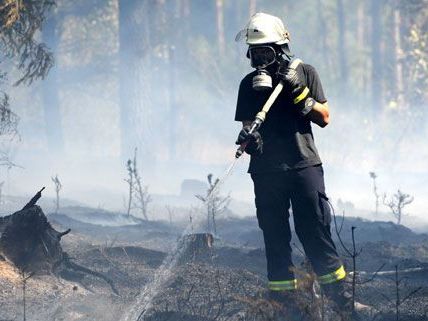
[138, 194]
[210, 278]
[32, 245]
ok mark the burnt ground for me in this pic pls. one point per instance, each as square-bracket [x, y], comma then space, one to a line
[225, 284]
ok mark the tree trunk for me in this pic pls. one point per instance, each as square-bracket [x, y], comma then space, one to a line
[168, 41]
[172, 102]
[397, 63]
[50, 92]
[128, 80]
[362, 32]
[376, 58]
[252, 6]
[341, 45]
[220, 26]
[323, 35]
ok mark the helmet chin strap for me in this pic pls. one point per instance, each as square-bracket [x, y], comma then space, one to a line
[285, 48]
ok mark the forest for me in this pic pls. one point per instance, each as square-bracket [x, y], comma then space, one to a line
[117, 125]
[137, 64]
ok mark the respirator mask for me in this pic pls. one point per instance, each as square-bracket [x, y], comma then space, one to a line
[261, 56]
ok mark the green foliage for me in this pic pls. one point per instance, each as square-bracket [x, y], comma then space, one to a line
[19, 23]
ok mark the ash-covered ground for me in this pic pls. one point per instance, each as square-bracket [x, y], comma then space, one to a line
[225, 282]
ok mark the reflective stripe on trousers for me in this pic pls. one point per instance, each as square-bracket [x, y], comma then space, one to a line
[337, 275]
[285, 285]
[282, 285]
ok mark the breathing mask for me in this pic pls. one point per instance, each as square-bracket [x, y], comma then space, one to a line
[261, 56]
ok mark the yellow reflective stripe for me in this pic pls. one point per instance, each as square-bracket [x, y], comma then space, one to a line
[302, 96]
[282, 285]
[337, 275]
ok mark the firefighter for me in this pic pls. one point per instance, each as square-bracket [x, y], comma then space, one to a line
[285, 165]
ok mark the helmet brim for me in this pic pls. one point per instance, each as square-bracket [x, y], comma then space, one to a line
[243, 35]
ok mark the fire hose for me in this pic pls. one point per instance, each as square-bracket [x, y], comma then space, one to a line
[261, 115]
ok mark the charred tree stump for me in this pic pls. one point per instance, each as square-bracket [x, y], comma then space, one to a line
[198, 246]
[30, 243]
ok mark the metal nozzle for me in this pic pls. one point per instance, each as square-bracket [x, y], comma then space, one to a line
[241, 149]
[254, 126]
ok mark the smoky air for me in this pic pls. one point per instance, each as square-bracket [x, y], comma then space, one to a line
[125, 113]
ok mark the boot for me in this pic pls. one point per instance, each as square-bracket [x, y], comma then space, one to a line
[288, 304]
[342, 297]
[338, 293]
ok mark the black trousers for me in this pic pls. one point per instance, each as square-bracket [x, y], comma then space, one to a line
[304, 188]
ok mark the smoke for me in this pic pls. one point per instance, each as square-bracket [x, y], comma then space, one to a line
[184, 126]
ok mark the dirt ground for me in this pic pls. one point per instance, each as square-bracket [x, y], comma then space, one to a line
[228, 283]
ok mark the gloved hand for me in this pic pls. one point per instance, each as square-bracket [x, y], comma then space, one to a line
[254, 141]
[293, 80]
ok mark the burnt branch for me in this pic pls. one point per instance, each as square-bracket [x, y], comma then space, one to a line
[34, 200]
[396, 204]
[74, 266]
[215, 203]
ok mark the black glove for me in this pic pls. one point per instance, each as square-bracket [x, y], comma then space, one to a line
[254, 141]
[293, 80]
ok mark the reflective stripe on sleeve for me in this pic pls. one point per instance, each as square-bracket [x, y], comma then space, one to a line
[302, 96]
[282, 285]
[337, 275]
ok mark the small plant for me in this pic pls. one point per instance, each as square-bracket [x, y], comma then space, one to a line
[58, 187]
[24, 278]
[130, 181]
[353, 253]
[214, 202]
[399, 299]
[373, 176]
[170, 212]
[396, 204]
[138, 195]
[1, 191]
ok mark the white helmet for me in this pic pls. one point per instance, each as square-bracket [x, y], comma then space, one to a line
[264, 28]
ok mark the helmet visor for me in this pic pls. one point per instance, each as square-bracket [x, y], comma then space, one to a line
[261, 56]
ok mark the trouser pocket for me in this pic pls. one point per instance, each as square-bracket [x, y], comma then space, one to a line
[325, 209]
